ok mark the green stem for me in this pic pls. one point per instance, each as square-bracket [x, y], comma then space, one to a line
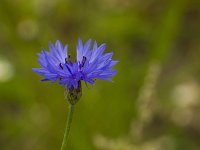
[68, 125]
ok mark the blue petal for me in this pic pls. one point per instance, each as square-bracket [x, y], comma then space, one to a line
[97, 52]
[60, 51]
[79, 50]
[114, 62]
[107, 74]
[40, 71]
[86, 49]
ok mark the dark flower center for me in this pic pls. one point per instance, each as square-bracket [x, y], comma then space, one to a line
[83, 61]
[68, 59]
[61, 66]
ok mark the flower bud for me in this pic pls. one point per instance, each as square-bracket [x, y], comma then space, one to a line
[73, 95]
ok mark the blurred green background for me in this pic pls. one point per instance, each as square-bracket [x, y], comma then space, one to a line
[154, 102]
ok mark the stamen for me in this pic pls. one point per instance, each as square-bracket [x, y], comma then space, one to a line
[68, 69]
[67, 59]
[61, 66]
[83, 61]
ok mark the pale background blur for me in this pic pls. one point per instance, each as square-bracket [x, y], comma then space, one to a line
[154, 102]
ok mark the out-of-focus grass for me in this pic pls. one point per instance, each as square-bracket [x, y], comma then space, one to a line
[154, 100]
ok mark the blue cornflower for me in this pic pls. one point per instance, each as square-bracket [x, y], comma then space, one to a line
[90, 64]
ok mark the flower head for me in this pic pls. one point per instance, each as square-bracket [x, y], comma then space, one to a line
[90, 64]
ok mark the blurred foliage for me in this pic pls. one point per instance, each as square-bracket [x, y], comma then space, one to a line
[154, 102]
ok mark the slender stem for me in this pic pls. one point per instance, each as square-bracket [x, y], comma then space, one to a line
[68, 125]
